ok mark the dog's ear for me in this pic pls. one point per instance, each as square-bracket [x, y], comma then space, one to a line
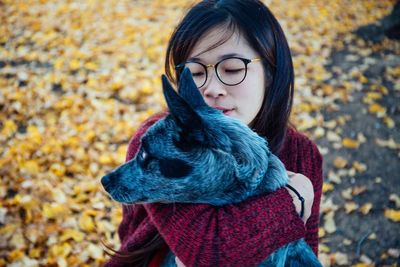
[183, 114]
[188, 90]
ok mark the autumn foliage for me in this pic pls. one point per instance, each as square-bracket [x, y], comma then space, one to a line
[78, 77]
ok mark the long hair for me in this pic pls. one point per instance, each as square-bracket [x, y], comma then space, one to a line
[253, 20]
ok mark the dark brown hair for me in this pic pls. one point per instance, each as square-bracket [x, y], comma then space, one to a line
[253, 20]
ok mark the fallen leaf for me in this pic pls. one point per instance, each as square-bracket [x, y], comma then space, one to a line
[366, 208]
[387, 143]
[340, 258]
[396, 199]
[358, 190]
[347, 242]
[347, 193]
[391, 214]
[339, 162]
[329, 225]
[327, 187]
[350, 143]
[350, 207]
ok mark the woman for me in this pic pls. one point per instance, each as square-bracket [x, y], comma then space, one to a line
[241, 63]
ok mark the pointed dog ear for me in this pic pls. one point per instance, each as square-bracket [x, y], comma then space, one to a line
[183, 114]
[188, 90]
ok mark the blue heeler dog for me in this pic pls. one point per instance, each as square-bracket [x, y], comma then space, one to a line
[196, 154]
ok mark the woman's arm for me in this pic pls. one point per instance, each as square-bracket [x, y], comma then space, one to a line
[234, 235]
[231, 235]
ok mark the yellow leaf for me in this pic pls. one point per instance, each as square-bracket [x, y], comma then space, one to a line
[350, 143]
[358, 190]
[60, 250]
[86, 223]
[95, 252]
[74, 64]
[35, 252]
[340, 162]
[30, 166]
[321, 232]
[9, 128]
[376, 108]
[319, 132]
[393, 215]
[105, 159]
[327, 187]
[329, 225]
[359, 167]
[34, 134]
[117, 85]
[72, 234]
[346, 194]
[54, 210]
[58, 63]
[387, 143]
[15, 255]
[361, 264]
[58, 169]
[350, 207]
[340, 259]
[374, 95]
[147, 89]
[389, 122]
[91, 66]
[324, 248]
[363, 79]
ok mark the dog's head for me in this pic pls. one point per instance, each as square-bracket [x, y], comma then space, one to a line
[196, 154]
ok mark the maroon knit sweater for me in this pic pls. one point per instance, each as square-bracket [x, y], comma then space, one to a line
[241, 234]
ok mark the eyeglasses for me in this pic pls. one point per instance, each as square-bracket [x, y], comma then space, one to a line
[230, 71]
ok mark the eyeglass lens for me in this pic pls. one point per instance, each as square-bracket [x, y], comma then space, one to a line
[230, 71]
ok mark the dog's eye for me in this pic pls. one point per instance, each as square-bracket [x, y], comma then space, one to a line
[144, 155]
[143, 158]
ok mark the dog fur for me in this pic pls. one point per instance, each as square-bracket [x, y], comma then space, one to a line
[196, 154]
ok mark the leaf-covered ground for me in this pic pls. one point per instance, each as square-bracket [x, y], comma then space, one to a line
[78, 77]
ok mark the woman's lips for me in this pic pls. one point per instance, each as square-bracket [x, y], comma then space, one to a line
[226, 111]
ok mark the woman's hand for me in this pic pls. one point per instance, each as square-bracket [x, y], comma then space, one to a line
[179, 263]
[305, 188]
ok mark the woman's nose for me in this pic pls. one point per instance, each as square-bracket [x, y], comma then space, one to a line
[214, 87]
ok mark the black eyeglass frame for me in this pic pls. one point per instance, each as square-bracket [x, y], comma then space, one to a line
[246, 61]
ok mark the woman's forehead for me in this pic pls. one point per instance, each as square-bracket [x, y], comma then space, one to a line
[218, 42]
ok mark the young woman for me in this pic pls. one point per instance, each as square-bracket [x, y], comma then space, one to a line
[241, 63]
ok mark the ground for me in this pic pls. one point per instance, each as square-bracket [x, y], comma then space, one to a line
[382, 176]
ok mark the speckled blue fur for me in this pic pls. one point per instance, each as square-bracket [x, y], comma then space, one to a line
[196, 154]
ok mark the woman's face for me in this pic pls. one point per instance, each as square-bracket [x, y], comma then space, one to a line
[241, 101]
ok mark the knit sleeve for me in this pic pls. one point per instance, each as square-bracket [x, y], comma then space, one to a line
[243, 234]
[232, 235]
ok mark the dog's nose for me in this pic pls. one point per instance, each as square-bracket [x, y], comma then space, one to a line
[106, 180]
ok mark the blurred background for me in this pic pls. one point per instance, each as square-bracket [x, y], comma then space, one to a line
[78, 77]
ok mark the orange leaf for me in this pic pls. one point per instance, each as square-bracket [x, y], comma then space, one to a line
[350, 143]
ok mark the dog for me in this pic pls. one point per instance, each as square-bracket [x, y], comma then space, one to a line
[196, 154]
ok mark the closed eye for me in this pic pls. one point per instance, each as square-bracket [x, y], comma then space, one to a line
[233, 71]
